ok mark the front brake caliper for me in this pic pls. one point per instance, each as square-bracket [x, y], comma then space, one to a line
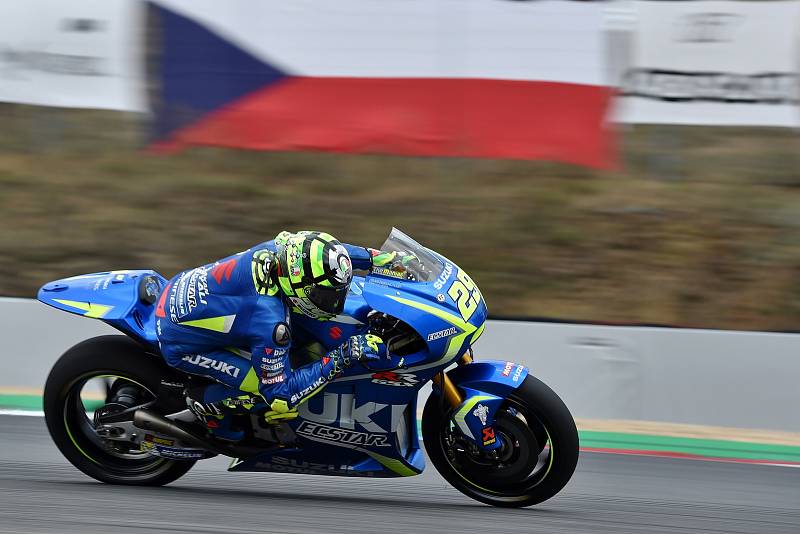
[475, 419]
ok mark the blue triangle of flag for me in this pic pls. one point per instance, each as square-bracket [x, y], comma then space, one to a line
[198, 71]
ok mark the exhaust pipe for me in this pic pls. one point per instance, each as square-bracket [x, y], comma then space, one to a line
[147, 420]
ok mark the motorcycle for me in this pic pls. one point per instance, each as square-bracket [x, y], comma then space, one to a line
[497, 434]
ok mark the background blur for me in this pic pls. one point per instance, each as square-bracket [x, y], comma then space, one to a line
[601, 161]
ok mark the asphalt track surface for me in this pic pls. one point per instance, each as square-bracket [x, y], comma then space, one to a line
[41, 492]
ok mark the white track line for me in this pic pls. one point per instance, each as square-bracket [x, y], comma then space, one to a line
[26, 413]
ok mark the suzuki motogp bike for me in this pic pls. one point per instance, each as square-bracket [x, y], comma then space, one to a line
[497, 434]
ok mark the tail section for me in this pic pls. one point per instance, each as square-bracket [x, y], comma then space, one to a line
[124, 299]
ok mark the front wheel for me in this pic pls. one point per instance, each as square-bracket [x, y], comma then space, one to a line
[537, 459]
[128, 373]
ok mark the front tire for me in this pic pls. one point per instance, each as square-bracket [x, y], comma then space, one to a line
[539, 456]
[71, 429]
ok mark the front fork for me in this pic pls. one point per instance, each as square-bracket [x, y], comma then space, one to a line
[477, 427]
[446, 386]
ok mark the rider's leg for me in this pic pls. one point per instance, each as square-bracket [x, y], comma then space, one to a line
[234, 373]
[225, 366]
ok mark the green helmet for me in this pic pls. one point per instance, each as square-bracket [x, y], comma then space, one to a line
[314, 272]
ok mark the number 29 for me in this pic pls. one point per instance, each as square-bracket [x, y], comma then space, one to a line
[464, 294]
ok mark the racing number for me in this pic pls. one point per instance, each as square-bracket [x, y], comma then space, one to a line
[464, 294]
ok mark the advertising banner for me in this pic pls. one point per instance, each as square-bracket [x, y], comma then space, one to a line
[713, 62]
[77, 54]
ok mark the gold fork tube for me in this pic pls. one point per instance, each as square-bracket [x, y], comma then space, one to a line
[449, 390]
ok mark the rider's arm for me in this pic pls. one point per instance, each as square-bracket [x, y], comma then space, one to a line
[360, 257]
[364, 259]
[284, 388]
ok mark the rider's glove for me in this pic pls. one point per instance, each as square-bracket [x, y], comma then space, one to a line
[396, 260]
[361, 348]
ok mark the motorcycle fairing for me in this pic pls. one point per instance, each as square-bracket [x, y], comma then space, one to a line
[123, 299]
[475, 418]
[494, 377]
[350, 430]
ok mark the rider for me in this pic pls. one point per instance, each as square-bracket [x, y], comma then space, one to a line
[208, 317]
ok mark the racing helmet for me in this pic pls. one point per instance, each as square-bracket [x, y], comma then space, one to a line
[314, 272]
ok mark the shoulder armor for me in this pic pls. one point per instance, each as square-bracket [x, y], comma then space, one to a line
[262, 262]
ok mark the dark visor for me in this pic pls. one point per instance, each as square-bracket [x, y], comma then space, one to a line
[328, 299]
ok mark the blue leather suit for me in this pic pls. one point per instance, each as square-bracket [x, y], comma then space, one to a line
[228, 321]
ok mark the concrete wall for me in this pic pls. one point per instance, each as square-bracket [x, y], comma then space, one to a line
[737, 379]
[723, 378]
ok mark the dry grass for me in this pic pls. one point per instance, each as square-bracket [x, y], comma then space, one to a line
[704, 233]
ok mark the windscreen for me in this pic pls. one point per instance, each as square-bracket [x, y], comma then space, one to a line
[425, 268]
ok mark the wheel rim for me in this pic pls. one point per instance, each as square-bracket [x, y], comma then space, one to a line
[523, 462]
[115, 458]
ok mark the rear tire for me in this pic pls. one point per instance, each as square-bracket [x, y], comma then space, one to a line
[117, 356]
[515, 483]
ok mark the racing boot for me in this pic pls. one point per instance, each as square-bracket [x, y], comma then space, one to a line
[215, 415]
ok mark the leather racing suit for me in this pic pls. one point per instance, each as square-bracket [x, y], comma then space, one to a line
[228, 321]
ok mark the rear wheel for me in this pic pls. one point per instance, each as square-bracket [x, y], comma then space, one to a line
[537, 459]
[133, 378]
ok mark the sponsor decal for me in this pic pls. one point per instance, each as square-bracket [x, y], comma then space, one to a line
[189, 292]
[443, 276]
[297, 397]
[159, 440]
[209, 363]
[391, 378]
[223, 270]
[272, 366]
[281, 335]
[382, 271]
[340, 435]
[488, 436]
[244, 401]
[507, 368]
[281, 352]
[518, 373]
[440, 297]
[272, 361]
[173, 303]
[442, 333]
[270, 380]
[104, 282]
[481, 412]
[342, 410]
[171, 452]
[382, 282]
[301, 467]
[268, 350]
[335, 332]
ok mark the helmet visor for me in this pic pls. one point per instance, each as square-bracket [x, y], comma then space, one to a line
[328, 299]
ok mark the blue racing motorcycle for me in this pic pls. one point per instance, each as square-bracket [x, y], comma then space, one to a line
[497, 434]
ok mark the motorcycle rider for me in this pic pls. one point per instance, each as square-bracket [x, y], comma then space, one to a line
[209, 316]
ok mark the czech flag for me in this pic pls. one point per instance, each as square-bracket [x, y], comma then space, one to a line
[472, 78]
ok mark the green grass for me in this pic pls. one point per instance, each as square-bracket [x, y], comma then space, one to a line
[705, 235]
